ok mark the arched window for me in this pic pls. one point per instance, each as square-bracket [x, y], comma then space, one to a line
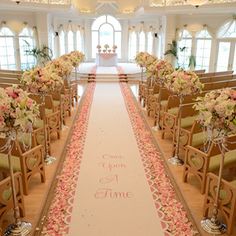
[150, 42]
[226, 59]
[106, 30]
[142, 41]
[132, 45]
[203, 50]
[26, 43]
[7, 52]
[228, 30]
[70, 41]
[185, 43]
[62, 42]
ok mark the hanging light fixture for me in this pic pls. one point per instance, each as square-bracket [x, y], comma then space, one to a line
[197, 3]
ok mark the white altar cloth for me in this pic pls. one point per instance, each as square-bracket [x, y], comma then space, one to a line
[106, 59]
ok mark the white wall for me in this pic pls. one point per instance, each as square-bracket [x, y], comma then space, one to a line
[165, 25]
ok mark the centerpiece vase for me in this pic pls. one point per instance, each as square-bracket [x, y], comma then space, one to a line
[18, 228]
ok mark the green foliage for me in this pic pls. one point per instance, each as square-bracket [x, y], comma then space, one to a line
[192, 62]
[42, 55]
[174, 49]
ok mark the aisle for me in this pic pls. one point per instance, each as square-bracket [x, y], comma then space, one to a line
[111, 190]
[113, 196]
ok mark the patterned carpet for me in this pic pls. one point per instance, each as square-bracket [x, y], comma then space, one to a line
[113, 181]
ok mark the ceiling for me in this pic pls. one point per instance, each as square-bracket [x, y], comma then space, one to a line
[124, 7]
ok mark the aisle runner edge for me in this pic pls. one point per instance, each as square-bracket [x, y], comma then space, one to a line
[60, 211]
[170, 210]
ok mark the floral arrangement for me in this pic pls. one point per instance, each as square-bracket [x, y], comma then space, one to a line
[61, 66]
[163, 69]
[106, 46]
[140, 57]
[217, 111]
[17, 109]
[42, 80]
[151, 68]
[183, 83]
[76, 58]
[114, 47]
[99, 47]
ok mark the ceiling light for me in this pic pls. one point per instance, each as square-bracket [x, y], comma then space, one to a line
[197, 3]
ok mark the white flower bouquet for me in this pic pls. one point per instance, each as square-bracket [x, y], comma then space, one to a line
[42, 80]
[17, 109]
[163, 69]
[183, 83]
[217, 111]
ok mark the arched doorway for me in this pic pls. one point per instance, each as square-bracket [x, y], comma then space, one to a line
[106, 30]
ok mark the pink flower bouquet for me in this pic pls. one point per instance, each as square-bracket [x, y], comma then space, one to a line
[163, 69]
[217, 111]
[41, 80]
[183, 83]
[17, 109]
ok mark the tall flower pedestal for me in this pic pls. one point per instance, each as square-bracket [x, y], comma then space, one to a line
[213, 225]
[48, 158]
[175, 160]
[181, 83]
[162, 70]
[18, 228]
[17, 113]
[217, 115]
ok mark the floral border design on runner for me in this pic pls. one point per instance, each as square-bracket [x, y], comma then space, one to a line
[173, 216]
[60, 211]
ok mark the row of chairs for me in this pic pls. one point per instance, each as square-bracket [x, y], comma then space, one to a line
[54, 108]
[201, 159]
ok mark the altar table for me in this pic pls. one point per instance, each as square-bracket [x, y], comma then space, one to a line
[106, 59]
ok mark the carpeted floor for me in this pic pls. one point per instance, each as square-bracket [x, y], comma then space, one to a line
[113, 182]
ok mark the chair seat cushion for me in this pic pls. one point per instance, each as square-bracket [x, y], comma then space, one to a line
[4, 162]
[48, 111]
[198, 139]
[164, 103]
[38, 123]
[187, 121]
[15, 162]
[173, 110]
[230, 158]
[233, 183]
[56, 103]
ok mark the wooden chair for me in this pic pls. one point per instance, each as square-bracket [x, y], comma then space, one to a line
[227, 202]
[161, 105]
[6, 201]
[29, 163]
[192, 136]
[199, 163]
[153, 99]
[51, 115]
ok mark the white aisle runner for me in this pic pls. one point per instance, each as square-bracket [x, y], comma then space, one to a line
[112, 197]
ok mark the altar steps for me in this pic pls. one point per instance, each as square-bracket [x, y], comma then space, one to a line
[91, 77]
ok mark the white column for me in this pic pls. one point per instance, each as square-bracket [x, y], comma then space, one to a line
[169, 30]
[42, 23]
[125, 41]
[88, 40]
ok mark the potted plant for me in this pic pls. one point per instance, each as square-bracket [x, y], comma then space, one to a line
[42, 55]
[173, 51]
